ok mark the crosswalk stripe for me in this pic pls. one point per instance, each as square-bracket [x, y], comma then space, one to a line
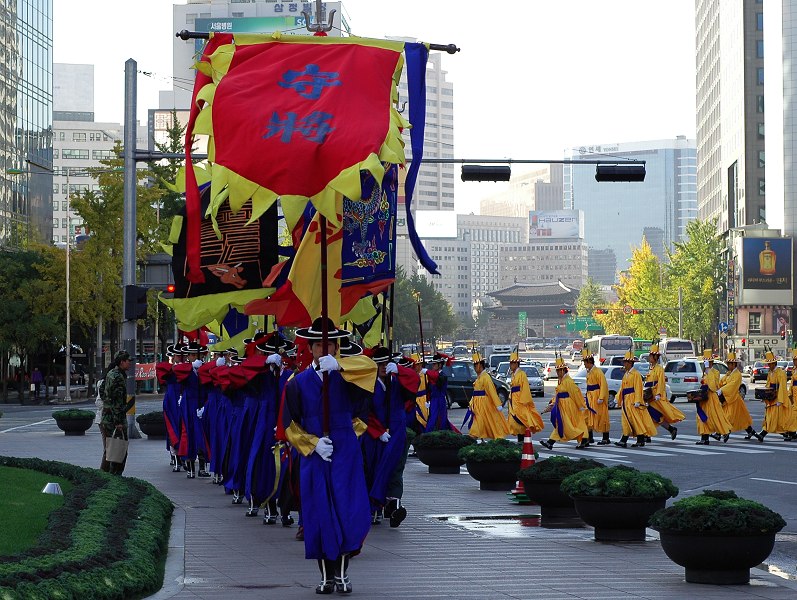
[549, 455]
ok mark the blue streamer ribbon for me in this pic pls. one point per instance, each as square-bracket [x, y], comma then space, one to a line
[556, 419]
[465, 421]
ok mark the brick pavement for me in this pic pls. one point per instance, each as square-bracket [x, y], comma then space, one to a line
[216, 552]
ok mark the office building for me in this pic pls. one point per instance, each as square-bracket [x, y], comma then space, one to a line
[654, 236]
[615, 214]
[79, 143]
[26, 120]
[539, 189]
[602, 265]
[730, 112]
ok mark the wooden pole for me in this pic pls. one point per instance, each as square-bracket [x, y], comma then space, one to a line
[420, 326]
[322, 222]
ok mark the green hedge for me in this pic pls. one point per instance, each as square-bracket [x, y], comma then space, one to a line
[106, 541]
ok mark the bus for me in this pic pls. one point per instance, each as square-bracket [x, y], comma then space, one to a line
[603, 347]
[676, 348]
[641, 346]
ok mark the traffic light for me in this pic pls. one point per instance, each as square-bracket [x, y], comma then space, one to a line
[744, 342]
[565, 311]
[168, 292]
[601, 311]
[620, 172]
[638, 311]
[783, 334]
[135, 302]
[486, 173]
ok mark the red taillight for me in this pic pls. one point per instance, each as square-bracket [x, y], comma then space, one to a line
[690, 379]
[603, 360]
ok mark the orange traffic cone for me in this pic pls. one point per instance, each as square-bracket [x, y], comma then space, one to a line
[526, 460]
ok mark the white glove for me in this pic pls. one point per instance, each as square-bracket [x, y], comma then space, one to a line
[637, 405]
[200, 412]
[220, 362]
[385, 437]
[778, 403]
[196, 364]
[391, 368]
[600, 401]
[324, 447]
[658, 396]
[705, 364]
[179, 400]
[427, 405]
[328, 363]
[424, 370]
[274, 359]
[719, 392]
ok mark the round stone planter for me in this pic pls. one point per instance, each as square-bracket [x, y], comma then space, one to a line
[441, 461]
[617, 519]
[77, 426]
[557, 509]
[704, 562]
[155, 431]
[498, 476]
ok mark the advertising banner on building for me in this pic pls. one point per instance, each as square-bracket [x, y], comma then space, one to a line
[545, 224]
[766, 276]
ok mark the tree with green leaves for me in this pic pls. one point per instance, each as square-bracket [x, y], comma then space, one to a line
[590, 297]
[434, 308]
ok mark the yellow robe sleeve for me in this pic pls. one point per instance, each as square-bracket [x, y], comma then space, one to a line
[359, 370]
[301, 440]
[729, 384]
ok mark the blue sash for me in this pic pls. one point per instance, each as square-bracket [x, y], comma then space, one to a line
[593, 386]
[479, 393]
[701, 413]
[556, 418]
[466, 421]
[515, 388]
[628, 390]
[655, 414]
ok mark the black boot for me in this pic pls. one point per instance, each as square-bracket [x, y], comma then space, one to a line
[237, 498]
[582, 444]
[395, 511]
[547, 443]
[725, 438]
[716, 436]
[202, 472]
[270, 516]
[673, 432]
[342, 583]
[760, 436]
[605, 441]
[640, 442]
[703, 440]
[750, 433]
[327, 585]
[253, 508]
[189, 468]
[176, 465]
[287, 520]
[623, 443]
[591, 439]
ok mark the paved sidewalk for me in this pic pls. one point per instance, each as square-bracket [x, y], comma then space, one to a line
[216, 552]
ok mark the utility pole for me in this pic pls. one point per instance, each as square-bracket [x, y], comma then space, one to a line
[129, 240]
[680, 313]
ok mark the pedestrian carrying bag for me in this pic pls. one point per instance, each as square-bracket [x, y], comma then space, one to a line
[116, 448]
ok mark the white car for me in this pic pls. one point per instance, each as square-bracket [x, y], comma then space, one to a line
[549, 371]
[685, 374]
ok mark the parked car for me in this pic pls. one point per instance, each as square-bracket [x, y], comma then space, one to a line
[502, 370]
[576, 356]
[534, 376]
[461, 376]
[614, 378]
[685, 374]
[787, 366]
[759, 371]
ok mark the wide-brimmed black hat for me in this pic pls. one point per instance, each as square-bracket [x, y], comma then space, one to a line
[194, 348]
[274, 343]
[315, 333]
[406, 361]
[258, 335]
[349, 348]
[383, 355]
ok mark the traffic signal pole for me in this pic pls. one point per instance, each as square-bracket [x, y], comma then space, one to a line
[129, 240]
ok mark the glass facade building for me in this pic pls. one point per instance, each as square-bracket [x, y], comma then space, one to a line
[616, 214]
[26, 117]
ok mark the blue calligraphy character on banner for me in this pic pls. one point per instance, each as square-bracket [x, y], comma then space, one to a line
[314, 128]
[310, 82]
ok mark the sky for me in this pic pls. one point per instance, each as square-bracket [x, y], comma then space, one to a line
[532, 79]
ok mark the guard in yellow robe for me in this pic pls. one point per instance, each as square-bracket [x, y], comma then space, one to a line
[661, 410]
[522, 410]
[597, 400]
[422, 395]
[567, 410]
[709, 414]
[777, 412]
[635, 415]
[793, 397]
[732, 402]
[484, 413]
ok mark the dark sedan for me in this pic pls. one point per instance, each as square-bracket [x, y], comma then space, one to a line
[461, 376]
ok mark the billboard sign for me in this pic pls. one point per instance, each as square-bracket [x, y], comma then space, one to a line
[766, 274]
[545, 224]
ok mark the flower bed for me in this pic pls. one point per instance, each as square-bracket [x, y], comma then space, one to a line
[108, 540]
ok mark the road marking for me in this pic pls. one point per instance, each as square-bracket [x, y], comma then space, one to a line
[547, 455]
[756, 446]
[28, 425]
[774, 480]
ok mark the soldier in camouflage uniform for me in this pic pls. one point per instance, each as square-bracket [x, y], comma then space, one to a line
[115, 407]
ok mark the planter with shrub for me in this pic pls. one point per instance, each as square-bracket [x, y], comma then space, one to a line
[618, 501]
[74, 421]
[693, 530]
[152, 424]
[494, 464]
[542, 482]
[439, 450]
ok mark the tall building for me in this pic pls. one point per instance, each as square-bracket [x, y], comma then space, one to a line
[602, 265]
[615, 214]
[730, 111]
[540, 189]
[79, 143]
[655, 239]
[26, 119]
